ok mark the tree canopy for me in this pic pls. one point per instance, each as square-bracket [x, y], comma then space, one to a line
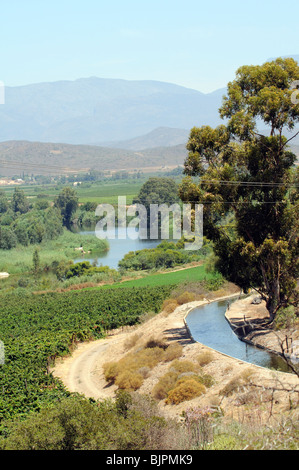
[67, 203]
[243, 173]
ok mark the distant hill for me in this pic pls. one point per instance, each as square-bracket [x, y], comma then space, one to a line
[55, 158]
[160, 137]
[95, 110]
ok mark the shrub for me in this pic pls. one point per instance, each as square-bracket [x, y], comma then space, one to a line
[205, 358]
[185, 298]
[285, 318]
[130, 371]
[206, 379]
[129, 380]
[181, 366]
[237, 383]
[186, 389]
[131, 341]
[165, 384]
[144, 371]
[174, 351]
[111, 369]
[156, 343]
[169, 305]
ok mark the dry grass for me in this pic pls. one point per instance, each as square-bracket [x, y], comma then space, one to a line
[204, 358]
[185, 298]
[185, 389]
[183, 381]
[169, 306]
[131, 341]
[237, 383]
[130, 371]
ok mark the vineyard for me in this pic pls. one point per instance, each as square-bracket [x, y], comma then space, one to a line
[35, 329]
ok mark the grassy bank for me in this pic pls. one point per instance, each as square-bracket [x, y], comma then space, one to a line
[19, 259]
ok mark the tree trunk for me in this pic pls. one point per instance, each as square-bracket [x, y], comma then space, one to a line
[274, 301]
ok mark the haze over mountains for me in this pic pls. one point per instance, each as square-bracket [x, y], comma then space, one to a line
[94, 110]
[112, 123]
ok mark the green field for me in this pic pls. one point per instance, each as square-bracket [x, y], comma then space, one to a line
[101, 192]
[196, 274]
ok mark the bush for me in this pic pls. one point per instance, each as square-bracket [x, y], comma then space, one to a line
[111, 370]
[131, 341]
[128, 380]
[129, 372]
[156, 343]
[174, 351]
[165, 384]
[185, 298]
[185, 389]
[181, 366]
[169, 305]
[285, 318]
[205, 358]
[237, 383]
[171, 385]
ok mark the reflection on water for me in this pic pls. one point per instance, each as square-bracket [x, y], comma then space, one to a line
[209, 326]
[119, 247]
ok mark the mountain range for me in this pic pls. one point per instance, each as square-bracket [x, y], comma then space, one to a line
[102, 123]
[93, 111]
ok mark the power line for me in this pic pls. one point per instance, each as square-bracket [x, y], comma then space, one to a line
[249, 183]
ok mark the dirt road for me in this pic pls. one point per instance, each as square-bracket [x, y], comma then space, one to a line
[82, 372]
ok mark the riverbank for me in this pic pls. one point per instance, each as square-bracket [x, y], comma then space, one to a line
[247, 319]
[240, 391]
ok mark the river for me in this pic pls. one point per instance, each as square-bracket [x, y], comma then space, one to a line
[119, 247]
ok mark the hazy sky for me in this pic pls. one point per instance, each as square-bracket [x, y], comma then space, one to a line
[194, 43]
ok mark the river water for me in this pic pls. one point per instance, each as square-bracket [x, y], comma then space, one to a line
[119, 247]
[209, 326]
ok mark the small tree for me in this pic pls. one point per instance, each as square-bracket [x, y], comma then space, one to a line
[19, 201]
[36, 261]
[67, 203]
[158, 191]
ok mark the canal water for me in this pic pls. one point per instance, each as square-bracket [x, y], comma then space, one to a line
[209, 326]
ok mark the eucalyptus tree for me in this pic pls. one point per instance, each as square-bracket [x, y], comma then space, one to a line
[243, 173]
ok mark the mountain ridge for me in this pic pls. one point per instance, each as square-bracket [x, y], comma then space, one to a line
[58, 158]
[95, 110]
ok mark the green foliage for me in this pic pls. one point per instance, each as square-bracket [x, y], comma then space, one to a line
[31, 227]
[75, 423]
[8, 239]
[67, 203]
[247, 182]
[36, 261]
[35, 329]
[165, 255]
[85, 268]
[19, 201]
[157, 190]
[286, 318]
